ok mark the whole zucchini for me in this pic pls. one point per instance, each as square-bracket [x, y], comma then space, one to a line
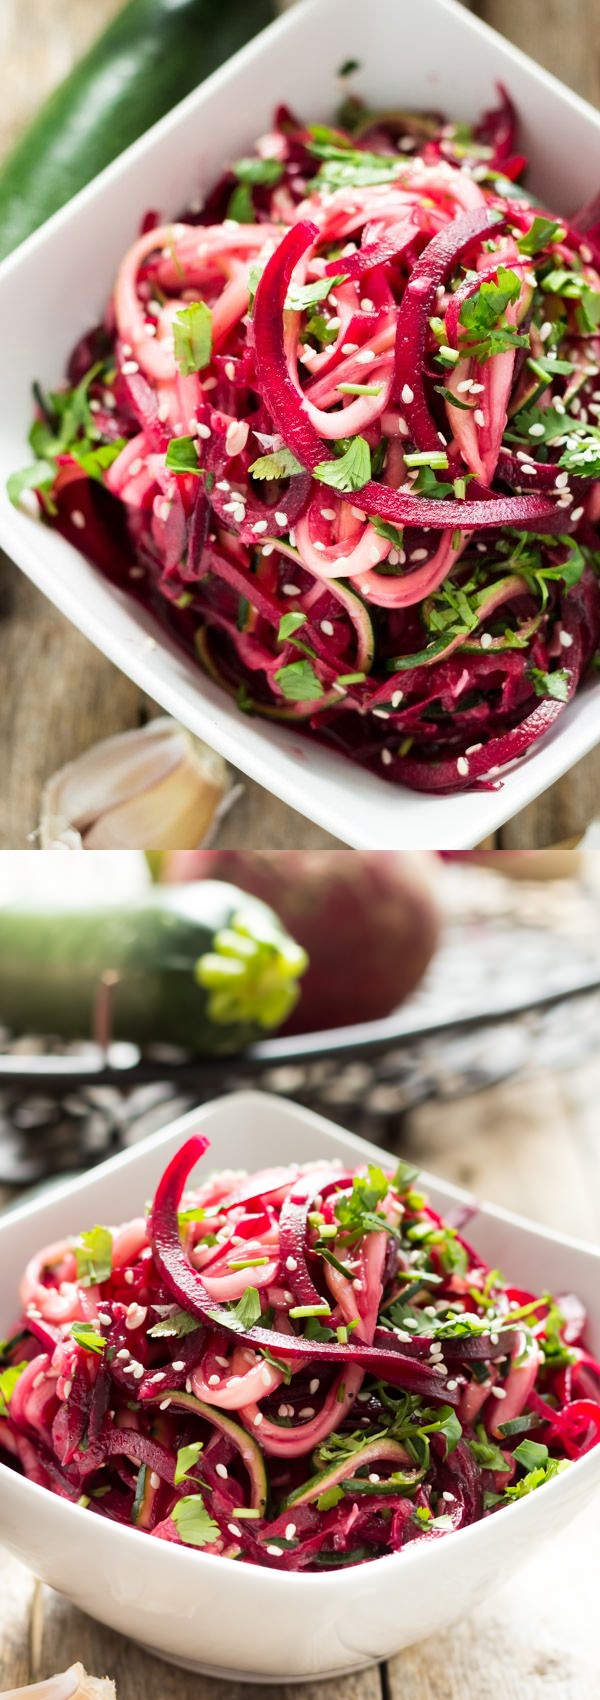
[152, 54]
[202, 966]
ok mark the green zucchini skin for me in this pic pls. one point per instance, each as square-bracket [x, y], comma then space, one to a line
[52, 961]
[152, 54]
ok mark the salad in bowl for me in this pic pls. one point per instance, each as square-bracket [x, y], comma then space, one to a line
[339, 429]
[306, 1368]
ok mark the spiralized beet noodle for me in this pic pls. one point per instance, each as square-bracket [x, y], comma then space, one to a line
[302, 1368]
[348, 417]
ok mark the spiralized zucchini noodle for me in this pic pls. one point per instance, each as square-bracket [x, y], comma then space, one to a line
[302, 1368]
[340, 429]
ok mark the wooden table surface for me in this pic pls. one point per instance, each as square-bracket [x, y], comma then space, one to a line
[531, 1141]
[58, 693]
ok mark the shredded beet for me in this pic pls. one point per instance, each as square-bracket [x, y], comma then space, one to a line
[343, 424]
[303, 1369]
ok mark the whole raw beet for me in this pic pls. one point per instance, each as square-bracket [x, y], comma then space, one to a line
[369, 922]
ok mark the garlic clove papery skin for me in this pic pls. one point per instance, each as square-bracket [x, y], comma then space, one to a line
[156, 788]
[72, 1684]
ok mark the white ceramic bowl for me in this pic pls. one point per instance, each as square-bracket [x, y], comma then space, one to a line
[57, 285]
[231, 1619]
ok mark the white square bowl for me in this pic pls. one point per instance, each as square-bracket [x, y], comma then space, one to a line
[230, 1619]
[57, 285]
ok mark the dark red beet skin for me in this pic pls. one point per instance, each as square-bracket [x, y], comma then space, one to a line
[369, 922]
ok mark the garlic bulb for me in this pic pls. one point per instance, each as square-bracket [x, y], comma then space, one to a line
[73, 1684]
[156, 789]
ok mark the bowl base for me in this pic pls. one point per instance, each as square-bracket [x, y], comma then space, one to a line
[223, 1673]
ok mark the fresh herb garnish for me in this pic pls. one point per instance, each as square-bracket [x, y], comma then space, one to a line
[93, 1256]
[555, 685]
[182, 456]
[302, 296]
[174, 1326]
[288, 624]
[542, 232]
[87, 1337]
[191, 1518]
[281, 464]
[485, 331]
[8, 1381]
[187, 1458]
[192, 332]
[351, 470]
[264, 171]
[247, 1309]
[298, 682]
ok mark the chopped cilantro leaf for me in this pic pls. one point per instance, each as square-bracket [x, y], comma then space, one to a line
[182, 456]
[300, 297]
[174, 1326]
[87, 1337]
[247, 1309]
[281, 464]
[8, 1381]
[350, 471]
[288, 624]
[193, 338]
[187, 1458]
[195, 1525]
[555, 685]
[540, 234]
[268, 171]
[93, 1256]
[299, 682]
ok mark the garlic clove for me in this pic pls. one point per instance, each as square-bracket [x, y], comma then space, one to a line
[73, 1684]
[156, 788]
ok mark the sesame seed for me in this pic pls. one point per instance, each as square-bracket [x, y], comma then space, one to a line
[224, 1362]
[451, 1385]
[373, 1477]
[291, 1264]
[287, 589]
[221, 1470]
[498, 1392]
[178, 1364]
[545, 330]
[449, 1497]
[327, 513]
[577, 513]
[203, 431]
[386, 757]
[486, 640]
[290, 1531]
[136, 1315]
[164, 1404]
[265, 1375]
[281, 518]
[188, 1385]
[160, 1375]
[536, 431]
[327, 628]
[349, 348]
[128, 1277]
[137, 1371]
[479, 417]
[129, 366]
[462, 766]
[258, 1419]
[397, 698]
[466, 384]
[123, 1354]
[78, 519]
[407, 395]
[233, 1529]
[561, 480]
[566, 640]
[274, 1551]
[477, 389]
[308, 1411]
[418, 555]
[314, 1385]
[154, 1479]
[229, 371]
[365, 356]
[261, 525]
[213, 1380]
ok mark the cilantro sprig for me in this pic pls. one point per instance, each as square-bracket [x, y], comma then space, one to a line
[485, 331]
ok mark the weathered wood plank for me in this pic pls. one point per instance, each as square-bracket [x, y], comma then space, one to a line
[535, 1640]
[562, 37]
